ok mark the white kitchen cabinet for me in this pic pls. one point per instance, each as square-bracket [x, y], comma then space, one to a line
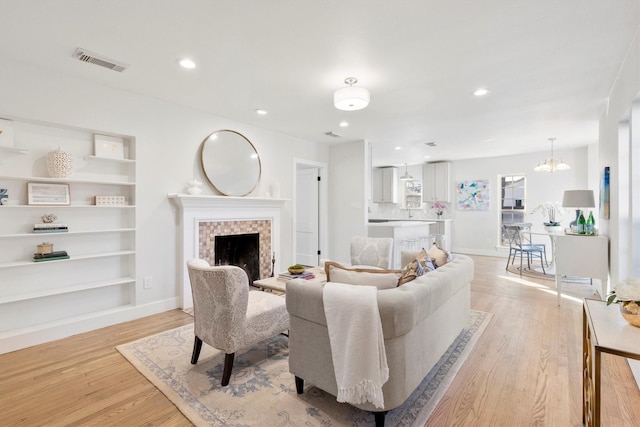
[436, 182]
[99, 276]
[385, 185]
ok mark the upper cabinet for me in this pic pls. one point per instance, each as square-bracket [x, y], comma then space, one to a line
[385, 185]
[436, 182]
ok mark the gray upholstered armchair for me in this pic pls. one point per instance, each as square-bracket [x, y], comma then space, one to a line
[374, 251]
[227, 315]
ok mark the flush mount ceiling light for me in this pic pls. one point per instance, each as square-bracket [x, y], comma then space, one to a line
[351, 98]
[481, 91]
[406, 175]
[551, 164]
[261, 112]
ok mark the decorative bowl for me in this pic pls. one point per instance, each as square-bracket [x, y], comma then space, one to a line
[296, 269]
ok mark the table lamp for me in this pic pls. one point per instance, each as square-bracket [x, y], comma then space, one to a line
[578, 199]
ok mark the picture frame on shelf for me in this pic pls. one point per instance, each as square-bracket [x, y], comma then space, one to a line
[45, 194]
[110, 147]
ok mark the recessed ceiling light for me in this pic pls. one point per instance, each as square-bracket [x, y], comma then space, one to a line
[481, 92]
[398, 148]
[187, 63]
[426, 157]
[261, 112]
[344, 124]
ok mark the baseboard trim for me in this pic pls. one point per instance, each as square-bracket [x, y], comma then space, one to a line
[51, 331]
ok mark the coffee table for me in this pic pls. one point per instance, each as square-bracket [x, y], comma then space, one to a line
[279, 285]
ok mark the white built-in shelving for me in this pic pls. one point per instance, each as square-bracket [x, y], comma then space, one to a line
[99, 277]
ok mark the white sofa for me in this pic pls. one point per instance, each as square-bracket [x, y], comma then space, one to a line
[420, 320]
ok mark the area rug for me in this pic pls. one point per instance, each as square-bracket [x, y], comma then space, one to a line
[262, 391]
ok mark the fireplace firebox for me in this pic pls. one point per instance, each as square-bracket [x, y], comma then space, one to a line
[242, 250]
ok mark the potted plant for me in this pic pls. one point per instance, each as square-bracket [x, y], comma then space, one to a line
[627, 294]
[551, 210]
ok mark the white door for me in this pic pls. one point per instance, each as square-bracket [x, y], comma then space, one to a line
[307, 205]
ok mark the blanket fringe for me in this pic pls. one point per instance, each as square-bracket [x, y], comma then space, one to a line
[364, 391]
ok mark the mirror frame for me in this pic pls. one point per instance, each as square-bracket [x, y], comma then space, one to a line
[220, 180]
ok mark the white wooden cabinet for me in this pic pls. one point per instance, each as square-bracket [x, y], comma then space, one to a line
[582, 256]
[436, 182]
[385, 185]
[99, 276]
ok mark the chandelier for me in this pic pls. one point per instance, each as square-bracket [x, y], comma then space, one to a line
[551, 164]
[351, 98]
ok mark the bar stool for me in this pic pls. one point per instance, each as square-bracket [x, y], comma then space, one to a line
[426, 241]
[409, 245]
[440, 240]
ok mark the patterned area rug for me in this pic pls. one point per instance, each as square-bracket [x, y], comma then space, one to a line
[262, 391]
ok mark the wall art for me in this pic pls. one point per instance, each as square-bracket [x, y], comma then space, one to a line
[472, 195]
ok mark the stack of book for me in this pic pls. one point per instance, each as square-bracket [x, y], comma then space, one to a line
[50, 227]
[51, 256]
[288, 276]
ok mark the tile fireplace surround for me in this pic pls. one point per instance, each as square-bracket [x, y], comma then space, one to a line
[203, 217]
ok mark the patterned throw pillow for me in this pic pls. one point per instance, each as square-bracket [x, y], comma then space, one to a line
[381, 279]
[438, 255]
[417, 267]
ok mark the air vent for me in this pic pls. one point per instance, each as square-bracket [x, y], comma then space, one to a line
[333, 134]
[94, 58]
[430, 144]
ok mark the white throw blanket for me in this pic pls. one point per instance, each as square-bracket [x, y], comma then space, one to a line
[357, 343]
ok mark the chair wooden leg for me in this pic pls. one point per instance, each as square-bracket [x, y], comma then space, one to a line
[299, 385]
[197, 346]
[379, 418]
[228, 366]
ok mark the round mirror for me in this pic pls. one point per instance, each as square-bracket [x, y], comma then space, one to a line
[230, 162]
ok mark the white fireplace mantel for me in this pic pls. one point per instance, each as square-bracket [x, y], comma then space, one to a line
[193, 209]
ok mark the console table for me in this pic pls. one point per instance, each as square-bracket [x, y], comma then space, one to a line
[582, 256]
[604, 330]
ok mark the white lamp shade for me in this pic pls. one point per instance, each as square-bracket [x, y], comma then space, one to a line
[578, 199]
[351, 98]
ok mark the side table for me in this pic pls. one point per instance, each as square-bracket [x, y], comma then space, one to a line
[604, 330]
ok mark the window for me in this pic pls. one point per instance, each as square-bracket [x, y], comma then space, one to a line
[512, 202]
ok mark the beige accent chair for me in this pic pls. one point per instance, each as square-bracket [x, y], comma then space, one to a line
[227, 315]
[372, 251]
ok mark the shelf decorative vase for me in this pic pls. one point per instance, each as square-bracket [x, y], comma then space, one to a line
[59, 163]
[631, 312]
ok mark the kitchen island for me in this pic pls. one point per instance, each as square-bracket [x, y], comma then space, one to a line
[404, 233]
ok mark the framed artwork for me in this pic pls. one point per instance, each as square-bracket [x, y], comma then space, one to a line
[605, 194]
[472, 195]
[39, 193]
[110, 147]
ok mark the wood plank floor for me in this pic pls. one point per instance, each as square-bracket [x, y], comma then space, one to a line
[524, 371]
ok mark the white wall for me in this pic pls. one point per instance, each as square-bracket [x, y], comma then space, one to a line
[618, 146]
[348, 194]
[477, 232]
[167, 140]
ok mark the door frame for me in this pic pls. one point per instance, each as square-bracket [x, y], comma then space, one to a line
[323, 205]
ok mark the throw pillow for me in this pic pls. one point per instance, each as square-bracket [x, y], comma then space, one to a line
[420, 265]
[381, 279]
[438, 255]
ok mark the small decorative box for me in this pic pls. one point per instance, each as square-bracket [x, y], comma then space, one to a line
[45, 248]
[110, 200]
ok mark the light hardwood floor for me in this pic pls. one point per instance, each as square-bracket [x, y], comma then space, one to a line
[524, 371]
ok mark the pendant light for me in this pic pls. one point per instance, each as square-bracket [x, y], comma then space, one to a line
[551, 164]
[406, 175]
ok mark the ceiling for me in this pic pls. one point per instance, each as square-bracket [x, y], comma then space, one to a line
[549, 65]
